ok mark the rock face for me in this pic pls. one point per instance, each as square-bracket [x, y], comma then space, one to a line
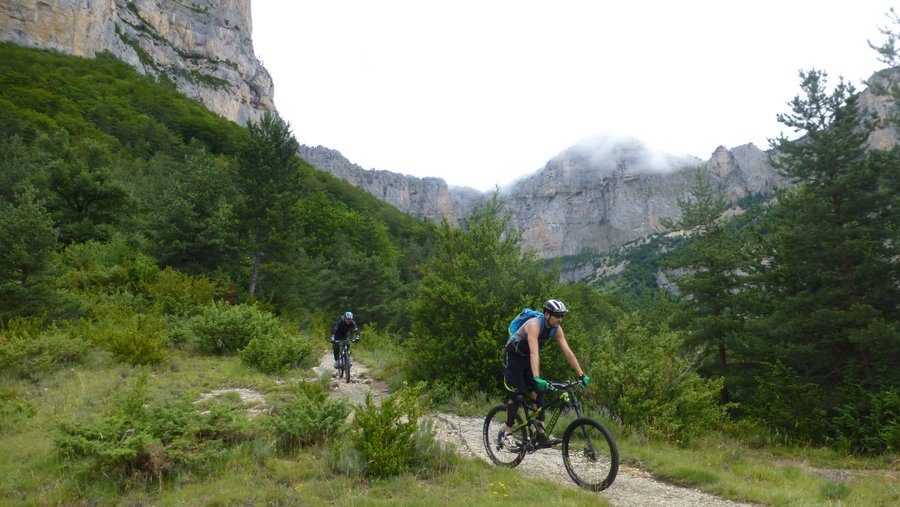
[600, 194]
[594, 199]
[203, 46]
[877, 100]
[425, 198]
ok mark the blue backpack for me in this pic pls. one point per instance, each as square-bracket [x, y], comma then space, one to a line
[523, 317]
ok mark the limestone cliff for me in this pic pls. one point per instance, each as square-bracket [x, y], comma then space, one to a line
[591, 197]
[203, 46]
[878, 99]
[599, 195]
[596, 198]
[425, 198]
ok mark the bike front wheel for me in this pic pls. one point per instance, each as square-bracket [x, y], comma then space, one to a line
[503, 452]
[347, 365]
[590, 454]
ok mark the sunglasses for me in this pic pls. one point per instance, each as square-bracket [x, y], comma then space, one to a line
[558, 316]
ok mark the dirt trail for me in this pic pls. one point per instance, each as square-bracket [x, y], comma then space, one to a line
[632, 488]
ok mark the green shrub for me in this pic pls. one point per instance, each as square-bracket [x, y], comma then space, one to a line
[12, 404]
[144, 442]
[780, 396]
[311, 417]
[222, 328]
[871, 424]
[275, 353]
[105, 266]
[133, 338]
[26, 350]
[175, 293]
[388, 440]
[650, 384]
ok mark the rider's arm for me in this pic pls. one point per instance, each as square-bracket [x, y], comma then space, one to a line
[533, 330]
[567, 352]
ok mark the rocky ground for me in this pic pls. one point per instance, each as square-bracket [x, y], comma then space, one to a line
[633, 487]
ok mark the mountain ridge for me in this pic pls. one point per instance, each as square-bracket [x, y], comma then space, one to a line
[591, 198]
[577, 202]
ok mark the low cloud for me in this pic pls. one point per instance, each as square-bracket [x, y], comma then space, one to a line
[611, 153]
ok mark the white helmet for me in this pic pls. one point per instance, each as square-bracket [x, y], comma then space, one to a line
[555, 306]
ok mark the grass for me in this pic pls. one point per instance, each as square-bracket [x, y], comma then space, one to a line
[727, 467]
[779, 475]
[256, 473]
[253, 473]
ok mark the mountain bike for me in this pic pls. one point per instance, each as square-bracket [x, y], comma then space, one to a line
[344, 361]
[589, 452]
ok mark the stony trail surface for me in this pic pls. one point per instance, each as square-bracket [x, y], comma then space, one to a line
[632, 488]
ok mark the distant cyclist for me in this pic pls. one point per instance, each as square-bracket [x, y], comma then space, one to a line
[340, 331]
[522, 367]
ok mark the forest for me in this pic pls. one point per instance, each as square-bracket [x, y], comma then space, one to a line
[135, 222]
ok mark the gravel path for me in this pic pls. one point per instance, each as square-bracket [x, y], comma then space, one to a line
[632, 488]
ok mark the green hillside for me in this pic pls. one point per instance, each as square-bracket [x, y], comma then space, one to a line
[152, 253]
[112, 154]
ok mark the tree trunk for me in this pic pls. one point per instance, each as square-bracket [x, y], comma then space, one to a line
[254, 274]
[723, 367]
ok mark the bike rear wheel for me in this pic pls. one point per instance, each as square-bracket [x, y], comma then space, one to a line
[502, 453]
[590, 454]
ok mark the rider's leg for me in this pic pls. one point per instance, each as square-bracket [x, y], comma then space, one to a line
[515, 377]
[538, 399]
[512, 408]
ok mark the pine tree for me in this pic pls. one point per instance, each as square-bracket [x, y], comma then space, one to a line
[269, 180]
[828, 283]
[478, 279]
[27, 242]
[709, 261]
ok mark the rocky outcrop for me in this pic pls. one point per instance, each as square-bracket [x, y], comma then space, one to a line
[425, 198]
[602, 194]
[877, 99]
[202, 46]
[595, 196]
[596, 199]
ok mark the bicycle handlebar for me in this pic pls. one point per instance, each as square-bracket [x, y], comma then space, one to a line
[553, 385]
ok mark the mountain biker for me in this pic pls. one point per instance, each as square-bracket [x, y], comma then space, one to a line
[340, 331]
[522, 367]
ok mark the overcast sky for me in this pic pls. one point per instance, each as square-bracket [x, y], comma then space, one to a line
[481, 92]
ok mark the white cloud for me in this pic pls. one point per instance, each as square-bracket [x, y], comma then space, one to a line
[481, 92]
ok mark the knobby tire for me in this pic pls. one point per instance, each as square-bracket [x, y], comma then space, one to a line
[494, 423]
[590, 454]
[347, 365]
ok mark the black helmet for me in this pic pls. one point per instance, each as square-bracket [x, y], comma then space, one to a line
[348, 315]
[555, 306]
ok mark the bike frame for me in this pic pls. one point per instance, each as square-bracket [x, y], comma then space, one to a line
[590, 455]
[566, 400]
[345, 351]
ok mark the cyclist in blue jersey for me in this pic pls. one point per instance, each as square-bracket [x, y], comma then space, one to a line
[522, 365]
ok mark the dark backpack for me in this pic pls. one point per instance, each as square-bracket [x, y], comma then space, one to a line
[523, 317]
